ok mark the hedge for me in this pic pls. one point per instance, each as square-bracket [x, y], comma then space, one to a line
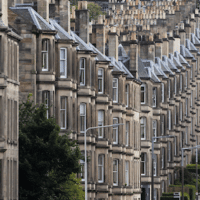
[170, 196]
[192, 191]
[192, 168]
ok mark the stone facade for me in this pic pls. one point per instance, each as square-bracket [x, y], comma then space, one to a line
[137, 65]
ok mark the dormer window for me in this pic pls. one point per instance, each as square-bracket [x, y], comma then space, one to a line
[63, 63]
[45, 49]
[82, 71]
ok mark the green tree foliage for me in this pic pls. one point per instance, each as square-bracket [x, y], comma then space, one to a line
[94, 11]
[47, 161]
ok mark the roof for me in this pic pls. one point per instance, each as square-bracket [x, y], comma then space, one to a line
[31, 16]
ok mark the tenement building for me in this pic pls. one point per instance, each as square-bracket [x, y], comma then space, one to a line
[138, 65]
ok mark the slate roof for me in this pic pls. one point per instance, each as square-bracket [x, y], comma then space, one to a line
[30, 15]
[194, 39]
[190, 46]
[61, 32]
[185, 52]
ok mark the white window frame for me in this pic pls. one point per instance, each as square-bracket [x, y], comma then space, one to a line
[169, 120]
[154, 127]
[169, 88]
[46, 102]
[115, 129]
[115, 173]
[155, 161]
[175, 85]
[65, 62]
[63, 110]
[127, 132]
[83, 115]
[127, 94]
[169, 151]
[115, 90]
[47, 55]
[82, 162]
[82, 70]
[100, 123]
[101, 77]
[144, 162]
[181, 82]
[154, 93]
[143, 123]
[163, 158]
[101, 168]
[162, 92]
[143, 91]
[127, 173]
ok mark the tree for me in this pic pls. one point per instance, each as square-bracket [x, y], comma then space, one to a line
[94, 11]
[47, 161]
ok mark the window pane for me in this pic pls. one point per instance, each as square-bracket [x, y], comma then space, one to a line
[62, 54]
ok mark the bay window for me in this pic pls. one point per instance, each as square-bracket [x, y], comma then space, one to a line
[101, 168]
[115, 172]
[63, 112]
[45, 57]
[115, 131]
[143, 128]
[100, 81]
[63, 63]
[82, 117]
[115, 90]
[82, 71]
[100, 123]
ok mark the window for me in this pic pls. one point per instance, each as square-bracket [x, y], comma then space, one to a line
[191, 125]
[175, 115]
[175, 85]
[169, 89]
[115, 131]
[143, 163]
[162, 124]
[101, 81]
[127, 132]
[45, 47]
[163, 186]
[186, 106]
[169, 151]
[181, 111]
[63, 62]
[100, 123]
[82, 117]
[154, 97]
[186, 135]
[169, 120]
[127, 173]
[115, 172]
[63, 112]
[163, 92]
[127, 95]
[186, 79]
[163, 158]
[191, 71]
[46, 102]
[101, 168]
[143, 94]
[175, 145]
[143, 128]
[82, 162]
[191, 98]
[82, 71]
[154, 125]
[115, 90]
[155, 194]
[155, 165]
[181, 82]
[170, 178]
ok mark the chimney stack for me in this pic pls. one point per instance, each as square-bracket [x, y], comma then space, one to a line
[113, 43]
[43, 8]
[64, 13]
[158, 47]
[182, 33]
[134, 55]
[82, 21]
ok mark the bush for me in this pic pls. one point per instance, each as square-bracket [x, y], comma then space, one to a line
[192, 168]
[170, 196]
[167, 194]
[192, 191]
